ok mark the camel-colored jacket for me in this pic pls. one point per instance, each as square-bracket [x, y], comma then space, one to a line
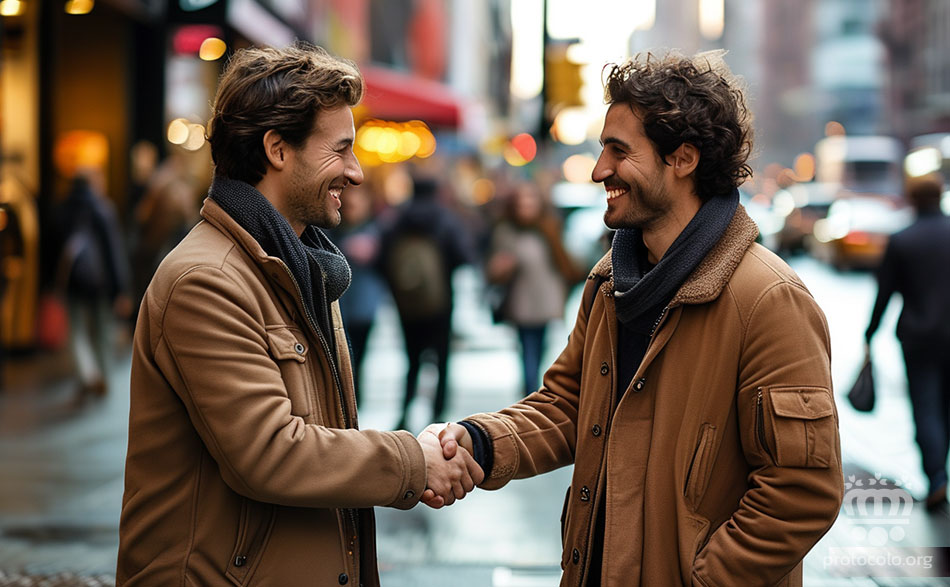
[245, 466]
[721, 464]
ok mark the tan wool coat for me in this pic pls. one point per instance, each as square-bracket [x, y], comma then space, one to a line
[721, 463]
[245, 466]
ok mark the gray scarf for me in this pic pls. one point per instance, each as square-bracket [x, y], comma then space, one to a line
[638, 289]
[310, 254]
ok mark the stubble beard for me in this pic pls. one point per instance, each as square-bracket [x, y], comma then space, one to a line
[308, 204]
[649, 207]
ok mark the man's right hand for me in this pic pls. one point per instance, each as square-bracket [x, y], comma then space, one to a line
[457, 434]
[451, 473]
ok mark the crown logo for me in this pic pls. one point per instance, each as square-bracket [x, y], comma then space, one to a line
[879, 508]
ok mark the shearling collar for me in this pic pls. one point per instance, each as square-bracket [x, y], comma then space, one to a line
[707, 281]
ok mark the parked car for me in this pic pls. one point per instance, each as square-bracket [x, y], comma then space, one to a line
[801, 205]
[854, 235]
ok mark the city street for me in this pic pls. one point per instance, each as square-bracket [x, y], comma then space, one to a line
[62, 461]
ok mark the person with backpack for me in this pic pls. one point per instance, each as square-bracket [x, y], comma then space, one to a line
[422, 247]
[93, 276]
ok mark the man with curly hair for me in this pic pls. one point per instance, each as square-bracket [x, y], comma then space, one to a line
[694, 394]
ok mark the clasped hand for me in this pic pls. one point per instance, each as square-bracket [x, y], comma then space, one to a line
[451, 470]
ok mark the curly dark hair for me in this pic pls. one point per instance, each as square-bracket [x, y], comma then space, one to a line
[280, 89]
[694, 100]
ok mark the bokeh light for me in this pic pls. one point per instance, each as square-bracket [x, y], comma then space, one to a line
[380, 141]
[11, 8]
[212, 49]
[79, 6]
[578, 168]
[177, 131]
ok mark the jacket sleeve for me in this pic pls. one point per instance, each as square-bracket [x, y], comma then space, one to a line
[539, 433]
[887, 280]
[789, 432]
[213, 351]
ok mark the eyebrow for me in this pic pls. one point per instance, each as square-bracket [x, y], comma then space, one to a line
[614, 141]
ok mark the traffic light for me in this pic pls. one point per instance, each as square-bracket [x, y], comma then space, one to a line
[562, 78]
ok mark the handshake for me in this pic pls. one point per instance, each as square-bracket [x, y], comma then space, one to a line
[451, 470]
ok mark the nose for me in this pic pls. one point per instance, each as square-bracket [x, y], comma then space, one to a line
[353, 171]
[601, 170]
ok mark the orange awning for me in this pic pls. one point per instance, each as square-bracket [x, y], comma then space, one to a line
[394, 95]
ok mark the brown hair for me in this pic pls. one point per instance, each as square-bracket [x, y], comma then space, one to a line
[280, 89]
[924, 193]
[689, 100]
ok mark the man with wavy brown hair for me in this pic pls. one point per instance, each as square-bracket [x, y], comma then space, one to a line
[694, 394]
[245, 463]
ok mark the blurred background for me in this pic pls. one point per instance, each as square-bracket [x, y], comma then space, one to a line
[491, 111]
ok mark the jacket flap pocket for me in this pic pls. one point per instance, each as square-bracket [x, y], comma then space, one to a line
[284, 345]
[802, 404]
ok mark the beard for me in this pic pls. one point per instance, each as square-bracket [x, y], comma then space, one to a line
[642, 207]
[308, 202]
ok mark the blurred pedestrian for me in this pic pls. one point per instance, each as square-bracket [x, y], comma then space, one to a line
[422, 248]
[358, 237]
[529, 264]
[167, 210]
[694, 394]
[143, 160]
[245, 465]
[915, 265]
[93, 274]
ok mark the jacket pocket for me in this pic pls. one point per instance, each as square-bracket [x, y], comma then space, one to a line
[289, 350]
[697, 477]
[565, 525]
[565, 514]
[254, 529]
[803, 426]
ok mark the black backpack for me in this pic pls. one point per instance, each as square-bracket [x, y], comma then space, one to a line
[416, 273]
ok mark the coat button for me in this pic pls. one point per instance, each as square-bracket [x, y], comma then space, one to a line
[595, 430]
[239, 561]
[604, 369]
[299, 348]
[575, 556]
[409, 494]
[343, 579]
[638, 386]
[585, 493]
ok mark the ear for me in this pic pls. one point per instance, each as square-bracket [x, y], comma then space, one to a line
[684, 160]
[276, 149]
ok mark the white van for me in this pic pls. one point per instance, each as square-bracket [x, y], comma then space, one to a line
[861, 164]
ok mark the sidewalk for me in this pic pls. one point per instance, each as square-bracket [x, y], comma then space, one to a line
[62, 467]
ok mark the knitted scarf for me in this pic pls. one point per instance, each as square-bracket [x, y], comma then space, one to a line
[306, 256]
[638, 289]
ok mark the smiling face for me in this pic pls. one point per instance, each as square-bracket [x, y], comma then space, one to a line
[320, 169]
[636, 179]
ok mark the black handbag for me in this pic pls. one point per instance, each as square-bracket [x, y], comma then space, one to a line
[862, 393]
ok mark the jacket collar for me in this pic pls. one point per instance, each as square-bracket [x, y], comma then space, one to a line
[707, 281]
[215, 214]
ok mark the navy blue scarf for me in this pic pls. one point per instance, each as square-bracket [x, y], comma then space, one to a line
[640, 289]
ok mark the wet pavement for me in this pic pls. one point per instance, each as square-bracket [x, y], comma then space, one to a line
[61, 463]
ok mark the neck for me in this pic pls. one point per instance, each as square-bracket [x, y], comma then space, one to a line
[660, 235]
[269, 187]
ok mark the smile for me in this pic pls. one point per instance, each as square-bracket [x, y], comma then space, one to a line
[615, 192]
